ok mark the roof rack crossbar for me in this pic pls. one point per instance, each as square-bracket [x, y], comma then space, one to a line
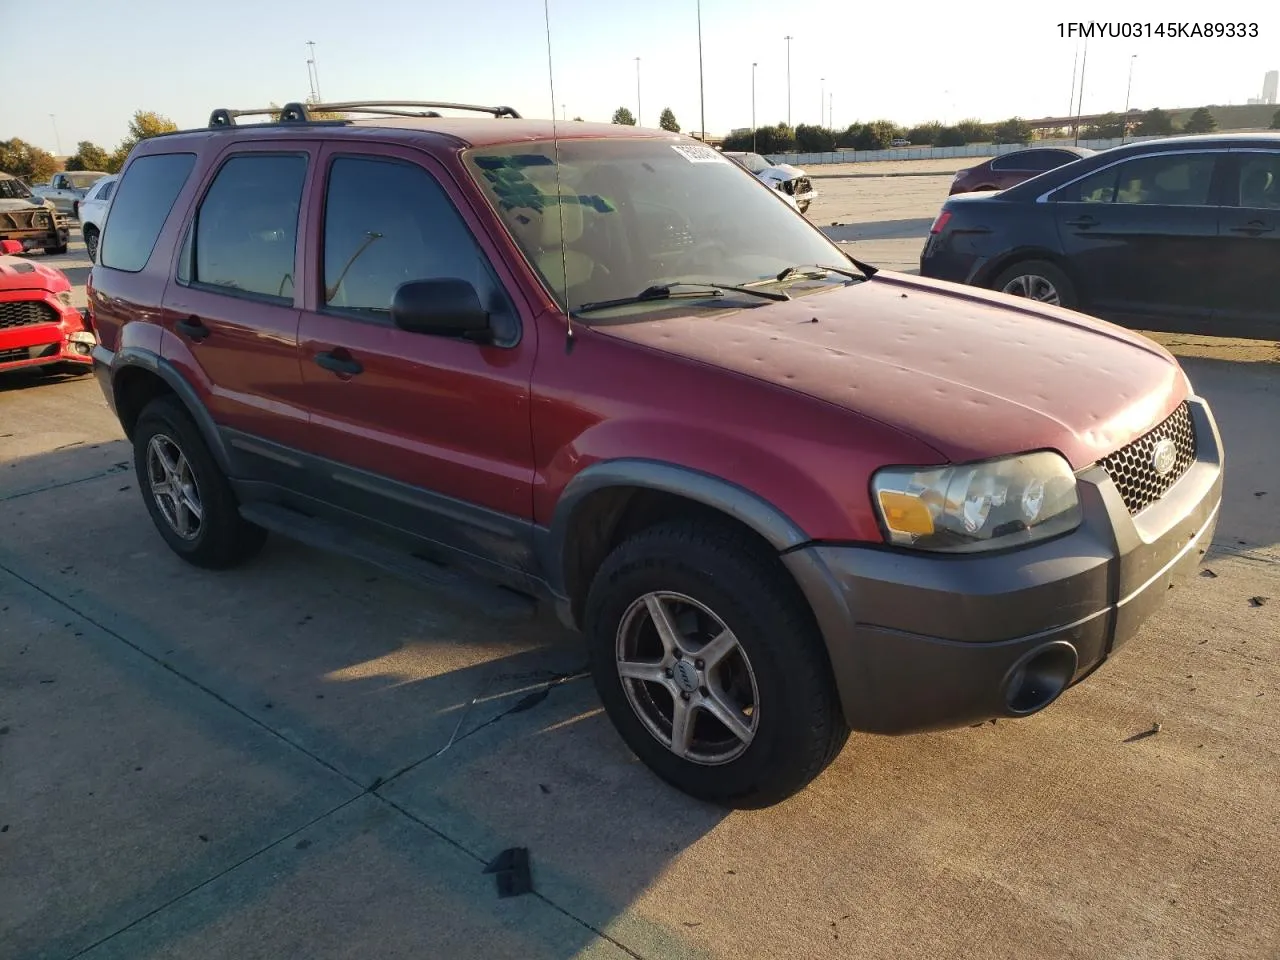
[293, 112]
[377, 106]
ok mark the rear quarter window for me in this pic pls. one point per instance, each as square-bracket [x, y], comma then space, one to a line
[142, 204]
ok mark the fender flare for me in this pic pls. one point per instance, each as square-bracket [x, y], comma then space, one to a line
[729, 498]
[155, 364]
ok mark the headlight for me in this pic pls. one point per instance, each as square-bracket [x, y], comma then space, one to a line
[977, 506]
[64, 298]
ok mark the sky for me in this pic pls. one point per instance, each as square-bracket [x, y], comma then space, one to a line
[992, 59]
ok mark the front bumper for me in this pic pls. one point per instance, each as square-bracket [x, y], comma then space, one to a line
[924, 642]
[69, 340]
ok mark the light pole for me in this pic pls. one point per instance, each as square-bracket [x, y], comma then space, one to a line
[753, 106]
[638, 123]
[788, 38]
[1080, 101]
[831, 111]
[702, 101]
[822, 99]
[57, 137]
[313, 72]
[1124, 128]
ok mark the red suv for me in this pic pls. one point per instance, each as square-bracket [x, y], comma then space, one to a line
[782, 494]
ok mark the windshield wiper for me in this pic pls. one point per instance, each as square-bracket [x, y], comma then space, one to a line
[813, 269]
[669, 291]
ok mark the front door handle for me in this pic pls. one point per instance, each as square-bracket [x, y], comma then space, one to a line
[1253, 228]
[193, 328]
[1085, 221]
[343, 364]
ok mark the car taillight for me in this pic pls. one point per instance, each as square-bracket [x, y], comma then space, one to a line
[940, 222]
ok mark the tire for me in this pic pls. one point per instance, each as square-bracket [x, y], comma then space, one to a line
[796, 727]
[1028, 274]
[221, 538]
[55, 251]
[91, 243]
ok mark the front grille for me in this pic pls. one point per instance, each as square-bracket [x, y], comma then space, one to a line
[1132, 468]
[26, 313]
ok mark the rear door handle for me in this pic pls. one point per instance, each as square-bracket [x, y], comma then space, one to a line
[344, 365]
[193, 328]
[1082, 222]
[1253, 228]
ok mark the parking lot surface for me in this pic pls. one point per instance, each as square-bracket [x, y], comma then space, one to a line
[307, 758]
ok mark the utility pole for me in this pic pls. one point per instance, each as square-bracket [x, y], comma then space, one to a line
[788, 38]
[753, 107]
[57, 137]
[1080, 102]
[1124, 129]
[831, 111]
[313, 72]
[822, 99]
[638, 123]
[702, 100]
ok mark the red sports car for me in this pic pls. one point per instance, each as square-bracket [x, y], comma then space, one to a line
[38, 325]
[1010, 169]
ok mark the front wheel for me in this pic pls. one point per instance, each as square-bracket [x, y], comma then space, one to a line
[1038, 280]
[710, 665]
[91, 244]
[189, 499]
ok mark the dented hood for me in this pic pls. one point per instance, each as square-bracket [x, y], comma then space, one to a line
[17, 273]
[971, 373]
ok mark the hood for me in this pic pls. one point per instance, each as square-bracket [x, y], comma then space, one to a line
[782, 171]
[963, 370]
[17, 273]
[25, 203]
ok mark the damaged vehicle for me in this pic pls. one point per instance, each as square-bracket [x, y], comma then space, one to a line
[28, 219]
[38, 325]
[786, 179]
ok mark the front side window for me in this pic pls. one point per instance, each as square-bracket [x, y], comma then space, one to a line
[623, 215]
[13, 189]
[1258, 182]
[387, 222]
[246, 229]
[148, 190]
[1175, 180]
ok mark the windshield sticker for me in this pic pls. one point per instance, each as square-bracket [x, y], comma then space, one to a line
[698, 154]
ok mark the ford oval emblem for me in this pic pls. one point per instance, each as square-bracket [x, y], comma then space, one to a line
[1164, 457]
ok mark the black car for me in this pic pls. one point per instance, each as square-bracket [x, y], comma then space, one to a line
[1178, 234]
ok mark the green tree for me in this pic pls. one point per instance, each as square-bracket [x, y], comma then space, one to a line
[88, 156]
[624, 116]
[814, 139]
[1109, 126]
[1201, 121]
[668, 121]
[144, 125]
[974, 131]
[926, 134]
[1275, 121]
[27, 161]
[951, 137]
[1154, 123]
[1013, 130]
[578, 119]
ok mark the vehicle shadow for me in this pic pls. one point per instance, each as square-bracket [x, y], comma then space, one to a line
[910, 229]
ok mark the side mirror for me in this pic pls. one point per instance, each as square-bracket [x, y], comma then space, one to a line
[8, 247]
[445, 307]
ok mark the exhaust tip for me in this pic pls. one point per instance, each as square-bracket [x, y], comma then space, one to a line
[1039, 677]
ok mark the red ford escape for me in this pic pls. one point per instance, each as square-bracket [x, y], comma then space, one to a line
[781, 493]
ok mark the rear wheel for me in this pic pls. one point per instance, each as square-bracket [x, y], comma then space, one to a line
[187, 495]
[1038, 280]
[91, 243]
[710, 666]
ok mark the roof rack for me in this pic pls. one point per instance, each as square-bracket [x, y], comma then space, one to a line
[296, 112]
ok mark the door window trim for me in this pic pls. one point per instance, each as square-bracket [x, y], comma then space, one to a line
[324, 171]
[1215, 152]
[187, 249]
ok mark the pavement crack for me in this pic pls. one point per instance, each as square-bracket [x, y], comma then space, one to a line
[216, 876]
[113, 469]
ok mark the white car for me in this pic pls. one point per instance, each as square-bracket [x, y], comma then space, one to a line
[93, 212]
[786, 179]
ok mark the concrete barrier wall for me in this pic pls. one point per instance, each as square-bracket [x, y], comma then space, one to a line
[936, 153]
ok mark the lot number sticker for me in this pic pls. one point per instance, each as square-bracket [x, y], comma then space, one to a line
[698, 154]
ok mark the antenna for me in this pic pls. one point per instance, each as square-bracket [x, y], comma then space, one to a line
[555, 144]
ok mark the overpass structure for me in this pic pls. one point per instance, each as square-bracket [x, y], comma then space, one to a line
[1084, 120]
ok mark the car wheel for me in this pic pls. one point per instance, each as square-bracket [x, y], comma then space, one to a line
[710, 666]
[187, 495]
[1038, 280]
[56, 251]
[91, 244]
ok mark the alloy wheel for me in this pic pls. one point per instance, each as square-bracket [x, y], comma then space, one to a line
[687, 678]
[1033, 287]
[173, 487]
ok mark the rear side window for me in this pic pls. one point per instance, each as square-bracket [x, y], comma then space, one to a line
[1258, 182]
[246, 230]
[107, 190]
[385, 223]
[1031, 161]
[1173, 180]
[146, 196]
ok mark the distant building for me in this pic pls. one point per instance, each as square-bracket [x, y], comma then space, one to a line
[1269, 84]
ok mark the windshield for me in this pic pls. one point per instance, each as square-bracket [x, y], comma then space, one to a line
[13, 190]
[754, 162]
[81, 180]
[640, 213]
